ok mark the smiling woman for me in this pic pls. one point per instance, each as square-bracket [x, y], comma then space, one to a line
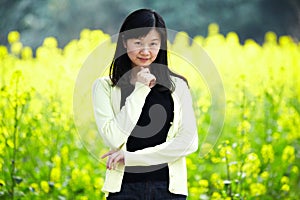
[144, 114]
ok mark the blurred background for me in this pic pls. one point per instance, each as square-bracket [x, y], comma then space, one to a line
[49, 142]
[64, 19]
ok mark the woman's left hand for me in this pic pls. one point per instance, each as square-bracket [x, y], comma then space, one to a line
[114, 157]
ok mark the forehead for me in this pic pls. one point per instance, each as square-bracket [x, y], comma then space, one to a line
[153, 34]
[142, 34]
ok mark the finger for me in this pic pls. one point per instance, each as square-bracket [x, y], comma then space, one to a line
[111, 159]
[108, 153]
[116, 160]
[151, 77]
[114, 163]
[145, 69]
[109, 163]
[152, 83]
[105, 155]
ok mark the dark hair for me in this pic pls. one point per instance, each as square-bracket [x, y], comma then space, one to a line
[138, 24]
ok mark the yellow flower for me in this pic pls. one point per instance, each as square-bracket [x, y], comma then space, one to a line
[288, 154]
[285, 188]
[265, 175]
[3, 51]
[98, 183]
[45, 186]
[10, 143]
[56, 160]
[16, 48]
[295, 169]
[50, 42]
[216, 181]
[257, 189]
[216, 196]
[244, 127]
[276, 136]
[13, 36]
[215, 159]
[190, 164]
[26, 53]
[194, 192]
[65, 154]
[252, 165]
[85, 33]
[75, 174]
[213, 29]
[203, 186]
[86, 179]
[271, 37]
[233, 167]
[267, 153]
[203, 183]
[226, 150]
[246, 148]
[58, 185]
[284, 180]
[34, 187]
[64, 191]
[2, 147]
[55, 174]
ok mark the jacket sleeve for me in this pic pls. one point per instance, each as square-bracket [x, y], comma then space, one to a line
[116, 128]
[184, 142]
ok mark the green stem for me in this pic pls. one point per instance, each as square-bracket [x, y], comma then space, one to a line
[229, 192]
[241, 145]
[15, 130]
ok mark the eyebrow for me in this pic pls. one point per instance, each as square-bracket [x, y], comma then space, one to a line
[155, 39]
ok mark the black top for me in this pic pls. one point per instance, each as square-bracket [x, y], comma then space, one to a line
[151, 129]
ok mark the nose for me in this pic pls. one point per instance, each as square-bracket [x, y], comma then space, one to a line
[145, 50]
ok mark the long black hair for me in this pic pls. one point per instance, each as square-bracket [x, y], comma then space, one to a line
[138, 24]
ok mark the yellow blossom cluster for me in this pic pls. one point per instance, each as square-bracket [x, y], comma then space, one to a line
[256, 156]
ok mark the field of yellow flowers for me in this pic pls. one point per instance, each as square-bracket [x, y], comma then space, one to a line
[256, 156]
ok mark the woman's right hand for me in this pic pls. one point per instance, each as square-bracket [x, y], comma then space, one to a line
[144, 76]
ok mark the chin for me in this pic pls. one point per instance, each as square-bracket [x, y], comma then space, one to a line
[145, 64]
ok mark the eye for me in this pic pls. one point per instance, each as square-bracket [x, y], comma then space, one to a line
[137, 43]
[154, 44]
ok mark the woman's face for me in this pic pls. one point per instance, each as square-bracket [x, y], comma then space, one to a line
[143, 51]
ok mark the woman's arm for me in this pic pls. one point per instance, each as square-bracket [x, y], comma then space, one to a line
[184, 142]
[115, 129]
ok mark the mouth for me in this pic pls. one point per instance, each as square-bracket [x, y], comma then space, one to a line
[144, 59]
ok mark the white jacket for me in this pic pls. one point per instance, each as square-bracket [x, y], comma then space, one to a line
[115, 126]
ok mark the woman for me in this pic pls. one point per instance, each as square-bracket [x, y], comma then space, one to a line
[144, 113]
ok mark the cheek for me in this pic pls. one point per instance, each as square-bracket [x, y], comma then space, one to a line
[131, 54]
[154, 54]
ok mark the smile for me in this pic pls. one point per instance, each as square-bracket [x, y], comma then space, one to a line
[144, 59]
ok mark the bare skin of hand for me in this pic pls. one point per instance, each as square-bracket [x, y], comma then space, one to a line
[143, 75]
[114, 157]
